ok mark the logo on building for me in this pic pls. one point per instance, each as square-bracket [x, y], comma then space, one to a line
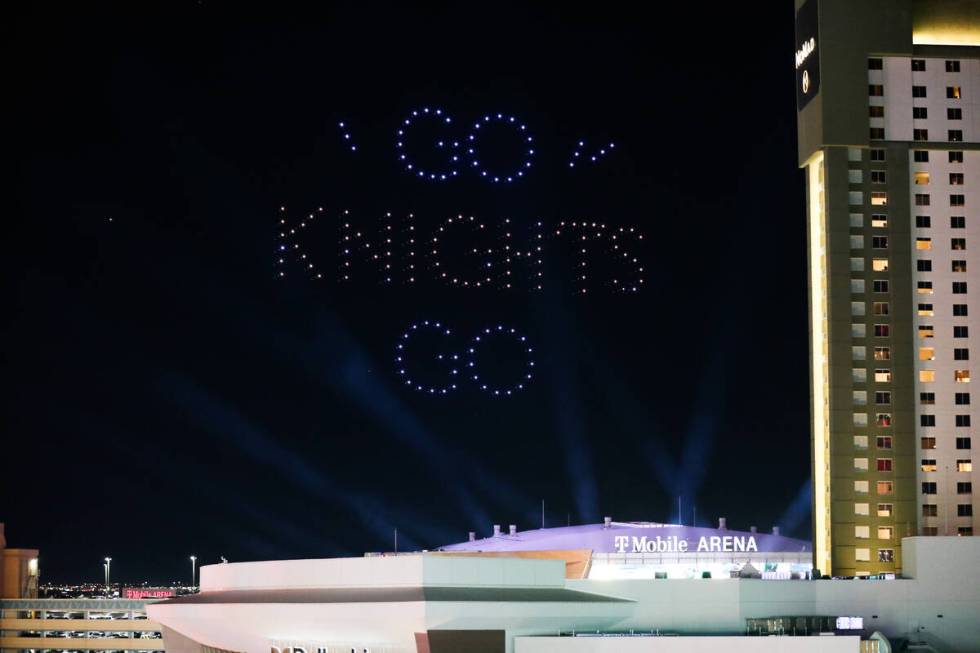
[806, 81]
[674, 544]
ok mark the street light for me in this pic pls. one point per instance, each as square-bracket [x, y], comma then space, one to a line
[193, 566]
[108, 570]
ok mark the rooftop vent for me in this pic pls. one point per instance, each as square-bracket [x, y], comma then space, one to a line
[752, 529]
[513, 529]
[472, 536]
[606, 522]
[722, 524]
[775, 530]
[496, 530]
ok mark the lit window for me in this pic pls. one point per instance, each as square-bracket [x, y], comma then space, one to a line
[922, 178]
[955, 157]
[861, 487]
[862, 509]
[857, 264]
[883, 353]
[859, 397]
[927, 376]
[961, 376]
[886, 555]
[858, 353]
[862, 555]
[860, 442]
[927, 353]
[926, 310]
[879, 264]
[883, 464]
[923, 243]
[956, 179]
[860, 419]
[883, 419]
[928, 465]
[923, 287]
[884, 532]
[879, 198]
[957, 243]
[857, 242]
[861, 464]
[964, 466]
[857, 308]
[879, 221]
[953, 92]
[928, 442]
[862, 532]
[885, 487]
[856, 220]
[858, 331]
[885, 509]
[926, 331]
[859, 375]
[883, 376]
[959, 266]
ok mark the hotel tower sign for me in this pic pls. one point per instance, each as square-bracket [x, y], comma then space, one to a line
[807, 54]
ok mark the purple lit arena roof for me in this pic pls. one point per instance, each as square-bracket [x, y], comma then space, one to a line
[635, 537]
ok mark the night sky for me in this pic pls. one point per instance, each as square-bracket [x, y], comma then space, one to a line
[168, 394]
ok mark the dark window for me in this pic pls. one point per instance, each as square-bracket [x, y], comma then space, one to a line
[923, 265]
[929, 487]
[876, 90]
[927, 398]
[920, 113]
[875, 63]
[964, 510]
[955, 157]
[878, 176]
[960, 310]
[930, 510]
[957, 222]
[959, 287]
[883, 397]
[877, 155]
[957, 200]
[956, 179]
[927, 420]
[881, 331]
[881, 285]
[955, 135]
[920, 156]
[923, 221]
[964, 487]
[963, 443]
[962, 420]
[917, 91]
[876, 133]
[922, 199]
[918, 65]
[951, 113]
[879, 242]
[876, 111]
[959, 266]
[961, 332]
[951, 66]
[962, 398]
[920, 134]
[961, 354]
[957, 243]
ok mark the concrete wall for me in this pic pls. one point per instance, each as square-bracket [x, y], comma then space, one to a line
[687, 644]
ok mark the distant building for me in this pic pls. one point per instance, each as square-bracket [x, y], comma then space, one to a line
[18, 571]
[888, 97]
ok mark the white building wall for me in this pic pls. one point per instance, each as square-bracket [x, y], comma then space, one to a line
[687, 644]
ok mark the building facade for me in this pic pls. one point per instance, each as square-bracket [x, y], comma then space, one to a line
[888, 98]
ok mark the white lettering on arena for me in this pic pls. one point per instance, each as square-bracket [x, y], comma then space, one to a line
[674, 544]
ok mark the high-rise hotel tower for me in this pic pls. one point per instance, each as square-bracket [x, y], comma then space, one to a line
[888, 98]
